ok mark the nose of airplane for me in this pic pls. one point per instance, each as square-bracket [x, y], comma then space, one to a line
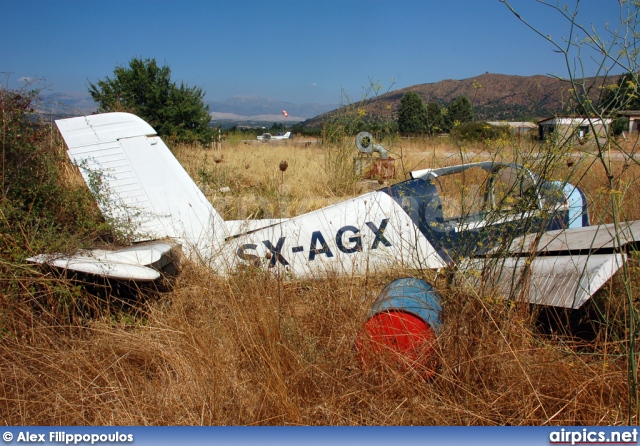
[402, 328]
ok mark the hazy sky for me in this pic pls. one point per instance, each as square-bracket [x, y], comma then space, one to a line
[291, 50]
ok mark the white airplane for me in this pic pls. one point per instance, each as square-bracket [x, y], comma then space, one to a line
[411, 224]
[277, 137]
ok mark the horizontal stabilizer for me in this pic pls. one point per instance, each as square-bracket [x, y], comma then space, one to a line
[142, 262]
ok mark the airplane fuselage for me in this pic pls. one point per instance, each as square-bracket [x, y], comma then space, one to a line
[365, 234]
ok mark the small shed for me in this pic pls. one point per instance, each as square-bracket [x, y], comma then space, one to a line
[572, 127]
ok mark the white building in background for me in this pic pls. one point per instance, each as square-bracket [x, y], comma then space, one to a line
[572, 127]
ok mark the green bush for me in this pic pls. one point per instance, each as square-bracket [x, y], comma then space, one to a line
[41, 207]
[479, 131]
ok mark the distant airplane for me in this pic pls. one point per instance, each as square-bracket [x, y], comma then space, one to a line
[276, 137]
[536, 231]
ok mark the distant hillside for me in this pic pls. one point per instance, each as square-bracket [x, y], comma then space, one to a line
[261, 109]
[495, 97]
[67, 103]
[242, 110]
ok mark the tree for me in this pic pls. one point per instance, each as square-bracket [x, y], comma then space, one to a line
[412, 114]
[145, 89]
[435, 118]
[623, 95]
[460, 111]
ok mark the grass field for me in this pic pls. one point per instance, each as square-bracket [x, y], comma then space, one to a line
[250, 349]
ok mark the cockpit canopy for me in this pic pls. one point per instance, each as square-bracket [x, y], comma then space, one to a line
[472, 207]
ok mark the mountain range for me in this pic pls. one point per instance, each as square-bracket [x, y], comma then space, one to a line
[235, 109]
[495, 97]
[67, 103]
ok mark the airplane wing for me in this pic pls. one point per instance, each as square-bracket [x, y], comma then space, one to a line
[588, 239]
[561, 268]
[566, 281]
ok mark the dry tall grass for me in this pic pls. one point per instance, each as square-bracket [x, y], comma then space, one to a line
[249, 349]
[237, 351]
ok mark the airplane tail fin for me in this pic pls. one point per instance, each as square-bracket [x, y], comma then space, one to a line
[139, 184]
